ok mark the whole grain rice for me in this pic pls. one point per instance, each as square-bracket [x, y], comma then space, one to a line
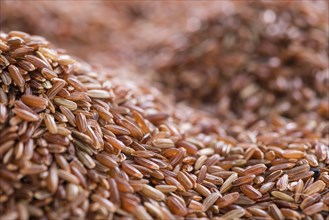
[120, 152]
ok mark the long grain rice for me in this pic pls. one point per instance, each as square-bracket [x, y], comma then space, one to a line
[73, 145]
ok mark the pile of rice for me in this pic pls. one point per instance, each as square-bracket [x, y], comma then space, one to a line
[255, 60]
[76, 143]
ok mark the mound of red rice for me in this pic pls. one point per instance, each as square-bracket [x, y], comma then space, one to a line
[75, 144]
[252, 60]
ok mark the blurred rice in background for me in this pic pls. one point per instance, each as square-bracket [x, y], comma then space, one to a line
[256, 59]
[236, 56]
[103, 27]
[233, 59]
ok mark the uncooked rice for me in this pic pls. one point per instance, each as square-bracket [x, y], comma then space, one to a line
[125, 151]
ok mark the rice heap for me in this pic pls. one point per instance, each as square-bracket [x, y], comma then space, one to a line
[75, 144]
[252, 60]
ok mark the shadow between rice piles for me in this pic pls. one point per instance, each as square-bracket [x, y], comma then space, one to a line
[75, 145]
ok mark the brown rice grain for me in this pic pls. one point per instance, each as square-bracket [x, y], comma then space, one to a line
[244, 180]
[66, 103]
[316, 208]
[86, 159]
[33, 169]
[16, 76]
[200, 162]
[228, 199]
[106, 160]
[256, 169]
[282, 183]
[132, 171]
[50, 124]
[228, 183]
[293, 154]
[153, 193]
[304, 175]
[48, 74]
[176, 206]
[147, 163]
[210, 200]
[117, 130]
[115, 143]
[316, 187]
[172, 181]
[274, 176]
[275, 212]
[234, 214]
[255, 211]
[166, 188]
[65, 175]
[309, 200]
[5, 77]
[291, 214]
[281, 195]
[52, 179]
[26, 115]
[202, 174]
[58, 85]
[101, 94]
[103, 202]
[184, 180]
[133, 129]
[250, 191]
[38, 62]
